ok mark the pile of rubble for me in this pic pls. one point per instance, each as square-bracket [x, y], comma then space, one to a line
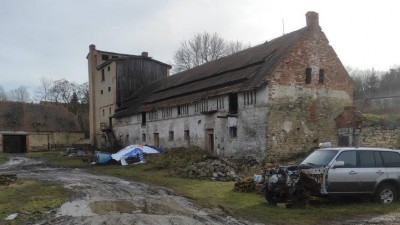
[7, 179]
[210, 168]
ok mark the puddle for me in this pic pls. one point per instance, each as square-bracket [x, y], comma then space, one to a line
[150, 206]
[105, 207]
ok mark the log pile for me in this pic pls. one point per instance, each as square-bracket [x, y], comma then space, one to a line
[7, 179]
[245, 185]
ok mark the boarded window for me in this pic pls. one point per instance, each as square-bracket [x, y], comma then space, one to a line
[321, 76]
[167, 113]
[220, 103]
[308, 76]
[201, 106]
[153, 115]
[249, 98]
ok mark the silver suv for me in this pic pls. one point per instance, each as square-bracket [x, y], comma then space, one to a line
[332, 171]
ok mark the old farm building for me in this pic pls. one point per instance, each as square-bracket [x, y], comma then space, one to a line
[29, 127]
[272, 100]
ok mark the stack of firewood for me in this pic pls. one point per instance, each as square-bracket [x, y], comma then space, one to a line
[245, 185]
[7, 179]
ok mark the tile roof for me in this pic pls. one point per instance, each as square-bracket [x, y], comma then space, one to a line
[17, 116]
[241, 71]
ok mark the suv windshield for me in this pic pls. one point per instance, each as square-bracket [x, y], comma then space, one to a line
[320, 158]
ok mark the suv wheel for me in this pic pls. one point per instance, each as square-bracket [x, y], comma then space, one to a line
[386, 193]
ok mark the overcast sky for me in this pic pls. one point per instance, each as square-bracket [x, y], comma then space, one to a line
[51, 38]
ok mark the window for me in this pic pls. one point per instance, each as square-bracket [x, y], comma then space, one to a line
[104, 57]
[102, 75]
[187, 135]
[201, 106]
[153, 115]
[108, 68]
[366, 158]
[183, 109]
[114, 57]
[171, 136]
[109, 89]
[349, 158]
[233, 103]
[391, 159]
[143, 118]
[101, 91]
[167, 113]
[220, 102]
[233, 132]
[308, 76]
[143, 137]
[103, 113]
[249, 98]
[109, 109]
[321, 76]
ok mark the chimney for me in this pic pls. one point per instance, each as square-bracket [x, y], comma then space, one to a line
[312, 20]
[92, 47]
[145, 54]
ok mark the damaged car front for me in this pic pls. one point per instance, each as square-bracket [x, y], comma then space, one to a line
[299, 182]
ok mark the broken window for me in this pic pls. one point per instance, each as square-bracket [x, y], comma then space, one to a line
[171, 136]
[321, 76]
[308, 76]
[153, 115]
[201, 106]
[233, 103]
[167, 113]
[143, 137]
[143, 118]
[249, 98]
[233, 132]
[102, 75]
[183, 109]
[105, 57]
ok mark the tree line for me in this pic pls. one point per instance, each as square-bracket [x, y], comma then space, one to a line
[374, 84]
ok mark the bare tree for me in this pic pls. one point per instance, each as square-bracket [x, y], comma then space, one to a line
[20, 94]
[203, 48]
[43, 92]
[62, 90]
[3, 94]
[83, 93]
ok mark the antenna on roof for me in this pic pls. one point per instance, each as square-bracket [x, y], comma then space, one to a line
[283, 27]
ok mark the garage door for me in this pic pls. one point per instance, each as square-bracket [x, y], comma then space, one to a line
[14, 143]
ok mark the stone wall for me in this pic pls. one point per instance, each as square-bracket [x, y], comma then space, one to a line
[380, 137]
[43, 141]
[301, 114]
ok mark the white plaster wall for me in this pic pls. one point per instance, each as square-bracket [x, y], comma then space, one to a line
[251, 127]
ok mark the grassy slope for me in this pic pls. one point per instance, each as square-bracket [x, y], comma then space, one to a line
[251, 206]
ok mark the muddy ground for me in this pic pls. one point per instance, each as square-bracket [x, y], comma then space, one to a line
[108, 200]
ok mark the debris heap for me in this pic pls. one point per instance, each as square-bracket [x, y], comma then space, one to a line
[245, 185]
[7, 179]
[210, 168]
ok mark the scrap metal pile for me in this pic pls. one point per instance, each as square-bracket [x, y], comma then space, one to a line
[292, 183]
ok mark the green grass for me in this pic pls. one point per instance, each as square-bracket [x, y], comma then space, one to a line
[158, 170]
[3, 159]
[30, 199]
[54, 158]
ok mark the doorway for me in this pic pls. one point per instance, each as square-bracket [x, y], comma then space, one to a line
[210, 140]
[14, 143]
[156, 139]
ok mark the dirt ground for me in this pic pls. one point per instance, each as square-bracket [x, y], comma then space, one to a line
[108, 200]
